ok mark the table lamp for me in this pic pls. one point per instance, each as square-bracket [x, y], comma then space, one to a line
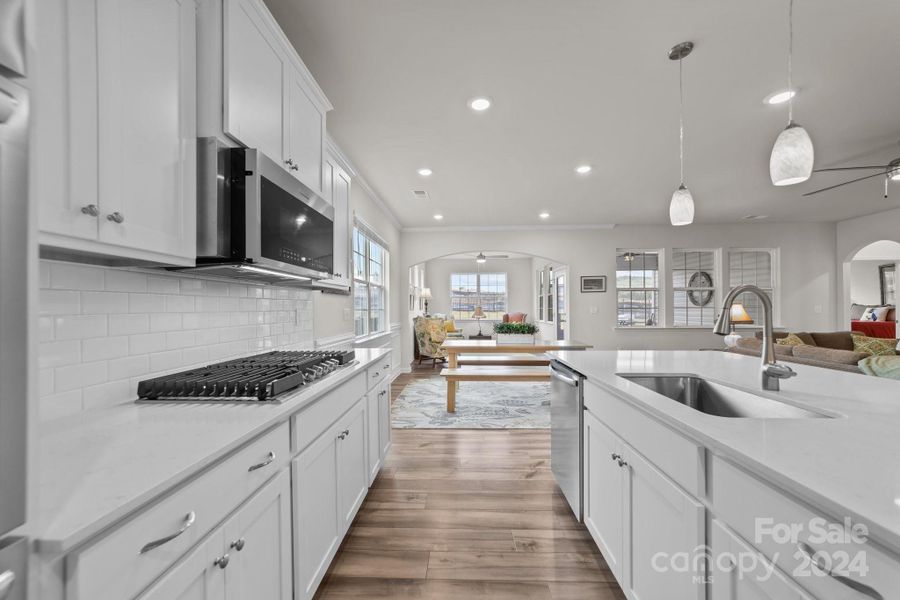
[426, 296]
[478, 315]
[738, 316]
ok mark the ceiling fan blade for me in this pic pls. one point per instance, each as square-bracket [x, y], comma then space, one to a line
[831, 187]
[850, 168]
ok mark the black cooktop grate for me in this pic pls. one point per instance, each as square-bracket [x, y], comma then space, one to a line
[260, 378]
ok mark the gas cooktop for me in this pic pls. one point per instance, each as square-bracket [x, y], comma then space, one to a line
[257, 378]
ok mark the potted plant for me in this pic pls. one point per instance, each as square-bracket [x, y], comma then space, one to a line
[515, 333]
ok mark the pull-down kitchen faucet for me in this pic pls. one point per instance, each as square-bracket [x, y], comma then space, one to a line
[772, 372]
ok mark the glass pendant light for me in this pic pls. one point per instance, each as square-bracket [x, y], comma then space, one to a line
[681, 209]
[792, 155]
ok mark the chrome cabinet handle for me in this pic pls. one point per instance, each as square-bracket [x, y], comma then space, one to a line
[345, 433]
[615, 456]
[382, 393]
[622, 463]
[862, 588]
[116, 217]
[265, 463]
[238, 544]
[222, 561]
[188, 521]
[292, 165]
[7, 579]
[386, 367]
[90, 209]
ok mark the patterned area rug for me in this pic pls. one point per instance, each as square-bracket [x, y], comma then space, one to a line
[479, 405]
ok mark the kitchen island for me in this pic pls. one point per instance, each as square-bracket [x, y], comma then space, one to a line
[661, 478]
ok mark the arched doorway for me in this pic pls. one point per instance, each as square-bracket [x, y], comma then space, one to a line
[870, 281]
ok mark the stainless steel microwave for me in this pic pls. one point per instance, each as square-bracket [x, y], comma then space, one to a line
[256, 221]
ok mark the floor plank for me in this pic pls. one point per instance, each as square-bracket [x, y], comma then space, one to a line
[466, 515]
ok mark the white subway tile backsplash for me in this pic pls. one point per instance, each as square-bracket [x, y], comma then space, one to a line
[104, 348]
[128, 324]
[79, 327]
[79, 376]
[104, 303]
[104, 329]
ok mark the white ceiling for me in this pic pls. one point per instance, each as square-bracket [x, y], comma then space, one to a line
[588, 81]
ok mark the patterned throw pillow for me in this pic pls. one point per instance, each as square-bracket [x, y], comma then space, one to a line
[876, 313]
[874, 346]
[790, 340]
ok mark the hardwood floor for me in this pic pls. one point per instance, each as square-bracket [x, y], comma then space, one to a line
[467, 514]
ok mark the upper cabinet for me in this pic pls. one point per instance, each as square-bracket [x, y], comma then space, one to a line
[271, 101]
[118, 116]
[336, 180]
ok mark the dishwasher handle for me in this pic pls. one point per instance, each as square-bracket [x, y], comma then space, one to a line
[564, 378]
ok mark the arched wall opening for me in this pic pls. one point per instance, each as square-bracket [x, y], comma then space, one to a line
[869, 276]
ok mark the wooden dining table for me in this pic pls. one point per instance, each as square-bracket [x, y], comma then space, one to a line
[455, 347]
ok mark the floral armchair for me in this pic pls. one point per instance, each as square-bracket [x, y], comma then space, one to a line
[430, 334]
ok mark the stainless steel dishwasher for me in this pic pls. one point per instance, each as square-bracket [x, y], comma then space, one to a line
[566, 427]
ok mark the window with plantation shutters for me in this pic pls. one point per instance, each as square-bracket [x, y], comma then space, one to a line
[756, 267]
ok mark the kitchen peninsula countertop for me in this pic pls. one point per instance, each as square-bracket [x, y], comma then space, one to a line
[99, 466]
[848, 465]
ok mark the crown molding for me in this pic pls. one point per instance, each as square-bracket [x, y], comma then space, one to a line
[463, 228]
[343, 160]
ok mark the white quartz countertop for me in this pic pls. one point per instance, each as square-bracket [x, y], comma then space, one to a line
[100, 466]
[848, 466]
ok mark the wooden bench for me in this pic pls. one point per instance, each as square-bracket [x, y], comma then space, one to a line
[503, 360]
[489, 373]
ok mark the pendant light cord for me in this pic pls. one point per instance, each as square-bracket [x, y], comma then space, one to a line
[790, 61]
[681, 119]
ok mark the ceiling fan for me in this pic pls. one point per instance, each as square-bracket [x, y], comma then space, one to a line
[890, 172]
[482, 258]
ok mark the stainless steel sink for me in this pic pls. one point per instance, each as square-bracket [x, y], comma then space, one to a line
[717, 399]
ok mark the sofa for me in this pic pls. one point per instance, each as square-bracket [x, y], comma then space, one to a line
[830, 350]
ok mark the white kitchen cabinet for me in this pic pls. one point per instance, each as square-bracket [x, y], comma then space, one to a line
[336, 181]
[125, 129]
[247, 557]
[316, 525]
[663, 522]
[384, 419]
[198, 576]
[353, 480]
[258, 541]
[741, 573]
[604, 492]
[255, 80]
[271, 102]
[373, 433]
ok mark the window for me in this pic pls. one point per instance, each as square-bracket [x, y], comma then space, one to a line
[467, 288]
[540, 295]
[756, 267]
[694, 277]
[637, 288]
[370, 261]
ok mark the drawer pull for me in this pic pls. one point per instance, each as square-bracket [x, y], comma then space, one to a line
[90, 210]
[116, 217]
[188, 521]
[382, 393]
[264, 463]
[621, 462]
[377, 373]
[615, 456]
[7, 579]
[238, 544]
[863, 589]
[222, 561]
[344, 434]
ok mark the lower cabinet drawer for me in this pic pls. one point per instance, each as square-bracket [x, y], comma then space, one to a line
[310, 422]
[678, 457]
[797, 538]
[122, 563]
[380, 370]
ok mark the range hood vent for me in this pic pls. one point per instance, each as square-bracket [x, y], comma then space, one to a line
[253, 274]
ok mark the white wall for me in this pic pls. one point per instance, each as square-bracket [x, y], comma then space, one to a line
[865, 281]
[807, 270]
[518, 281]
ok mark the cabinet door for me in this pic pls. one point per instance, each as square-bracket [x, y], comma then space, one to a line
[373, 432]
[663, 522]
[341, 201]
[197, 576]
[315, 512]
[384, 419]
[146, 81]
[353, 480]
[604, 492]
[738, 576]
[255, 80]
[306, 132]
[258, 540]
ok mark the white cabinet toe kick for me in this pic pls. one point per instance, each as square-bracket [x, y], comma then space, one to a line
[674, 520]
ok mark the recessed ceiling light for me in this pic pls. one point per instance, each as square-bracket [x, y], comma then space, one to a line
[780, 97]
[754, 217]
[425, 172]
[438, 217]
[481, 103]
[544, 215]
[582, 169]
